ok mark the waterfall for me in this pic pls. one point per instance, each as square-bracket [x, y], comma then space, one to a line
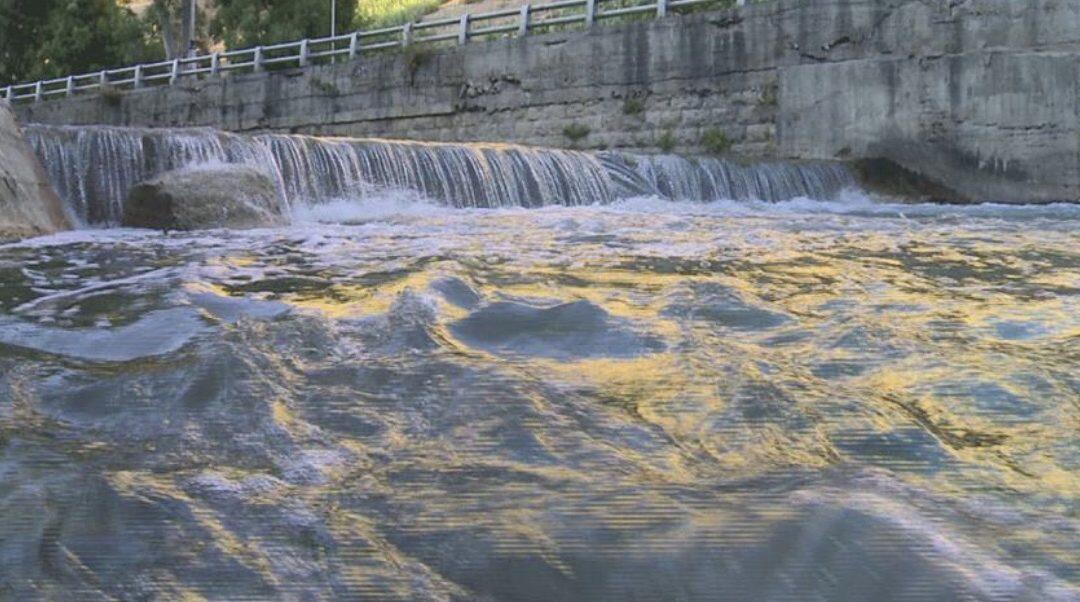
[93, 168]
[709, 178]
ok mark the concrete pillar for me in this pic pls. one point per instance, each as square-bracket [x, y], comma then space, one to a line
[354, 44]
[523, 26]
[463, 29]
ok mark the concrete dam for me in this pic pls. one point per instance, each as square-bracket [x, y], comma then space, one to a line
[976, 99]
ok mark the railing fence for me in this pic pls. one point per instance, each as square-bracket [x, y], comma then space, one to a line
[509, 22]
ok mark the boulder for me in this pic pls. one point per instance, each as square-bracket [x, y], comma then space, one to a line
[28, 204]
[203, 197]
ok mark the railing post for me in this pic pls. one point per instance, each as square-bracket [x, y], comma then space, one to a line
[138, 77]
[406, 34]
[590, 12]
[70, 88]
[303, 53]
[10, 93]
[175, 75]
[103, 78]
[354, 44]
[661, 8]
[214, 65]
[38, 92]
[256, 59]
[463, 30]
[523, 26]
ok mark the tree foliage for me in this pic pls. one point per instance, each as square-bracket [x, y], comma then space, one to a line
[243, 23]
[42, 39]
[374, 14]
[168, 24]
[52, 38]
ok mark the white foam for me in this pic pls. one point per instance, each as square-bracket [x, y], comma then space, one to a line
[374, 207]
[850, 202]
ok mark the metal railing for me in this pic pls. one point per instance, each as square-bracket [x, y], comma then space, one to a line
[510, 22]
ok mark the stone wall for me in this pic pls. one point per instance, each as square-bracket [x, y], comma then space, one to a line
[980, 95]
[28, 204]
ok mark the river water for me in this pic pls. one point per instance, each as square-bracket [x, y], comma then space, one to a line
[644, 399]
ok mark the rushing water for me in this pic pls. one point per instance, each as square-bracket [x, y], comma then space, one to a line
[638, 399]
[94, 167]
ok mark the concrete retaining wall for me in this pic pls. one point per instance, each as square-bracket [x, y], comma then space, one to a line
[980, 95]
[28, 204]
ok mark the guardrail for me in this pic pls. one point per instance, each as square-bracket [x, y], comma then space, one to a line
[512, 22]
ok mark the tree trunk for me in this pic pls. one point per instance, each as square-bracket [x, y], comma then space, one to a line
[168, 33]
[187, 29]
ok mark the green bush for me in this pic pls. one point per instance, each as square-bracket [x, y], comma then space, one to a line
[415, 58]
[576, 131]
[715, 141]
[325, 88]
[633, 106]
[111, 94]
[769, 96]
[666, 142]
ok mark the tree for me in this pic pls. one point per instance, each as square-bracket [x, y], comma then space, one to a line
[53, 38]
[170, 22]
[244, 23]
[20, 23]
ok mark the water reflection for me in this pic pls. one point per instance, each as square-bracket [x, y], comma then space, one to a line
[564, 403]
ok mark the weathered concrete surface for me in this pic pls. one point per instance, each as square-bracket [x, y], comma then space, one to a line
[28, 204]
[196, 198]
[978, 94]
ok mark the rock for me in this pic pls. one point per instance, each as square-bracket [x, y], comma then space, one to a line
[202, 197]
[28, 204]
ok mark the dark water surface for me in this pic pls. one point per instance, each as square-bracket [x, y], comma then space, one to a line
[653, 401]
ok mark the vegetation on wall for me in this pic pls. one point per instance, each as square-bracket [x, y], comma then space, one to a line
[666, 142]
[576, 131]
[715, 141]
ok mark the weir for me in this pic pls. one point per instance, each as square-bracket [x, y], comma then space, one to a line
[93, 168]
[977, 96]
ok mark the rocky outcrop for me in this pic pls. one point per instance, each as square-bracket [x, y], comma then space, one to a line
[28, 204]
[203, 197]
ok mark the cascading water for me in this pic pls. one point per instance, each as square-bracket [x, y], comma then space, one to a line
[93, 168]
[708, 178]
